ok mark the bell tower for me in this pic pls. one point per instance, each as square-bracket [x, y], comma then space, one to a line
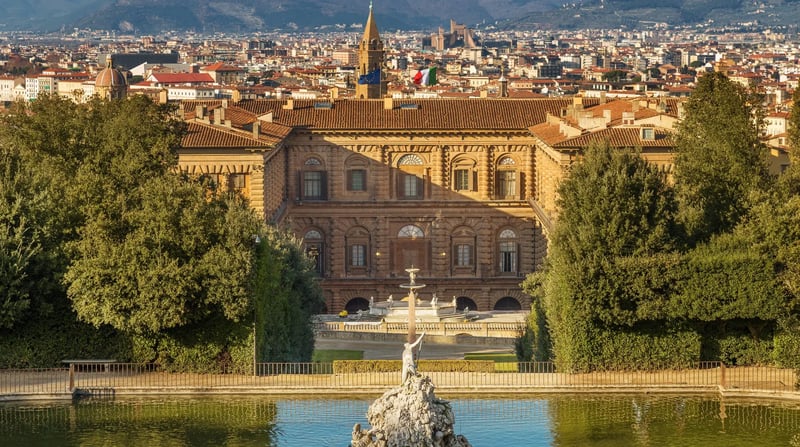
[370, 62]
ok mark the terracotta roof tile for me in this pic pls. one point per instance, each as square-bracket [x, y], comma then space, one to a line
[430, 114]
[201, 135]
[619, 137]
[549, 133]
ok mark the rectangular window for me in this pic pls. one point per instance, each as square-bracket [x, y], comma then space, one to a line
[506, 184]
[357, 180]
[463, 255]
[508, 257]
[312, 185]
[410, 186]
[358, 255]
[461, 180]
[237, 182]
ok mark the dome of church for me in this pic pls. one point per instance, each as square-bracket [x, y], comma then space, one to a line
[110, 77]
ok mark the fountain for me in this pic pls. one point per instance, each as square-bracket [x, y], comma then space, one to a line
[393, 311]
[410, 414]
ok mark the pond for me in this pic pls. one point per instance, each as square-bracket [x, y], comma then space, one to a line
[547, 420]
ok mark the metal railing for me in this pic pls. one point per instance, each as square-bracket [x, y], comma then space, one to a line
[322, 378]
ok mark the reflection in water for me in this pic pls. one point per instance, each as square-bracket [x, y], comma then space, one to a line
[552, 420]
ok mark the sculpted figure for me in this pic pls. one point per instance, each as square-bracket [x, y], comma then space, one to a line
[409, 365]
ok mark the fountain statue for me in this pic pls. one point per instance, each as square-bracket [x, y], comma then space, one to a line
[410, 414]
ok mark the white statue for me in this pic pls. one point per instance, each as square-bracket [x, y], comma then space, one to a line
[390, 300]
[434, 300]
[409, 365]
[371, 302]
[454, 301]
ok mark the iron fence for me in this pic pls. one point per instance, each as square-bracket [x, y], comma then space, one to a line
[322, 378]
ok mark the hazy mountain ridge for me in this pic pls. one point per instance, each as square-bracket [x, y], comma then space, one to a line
[153, 16]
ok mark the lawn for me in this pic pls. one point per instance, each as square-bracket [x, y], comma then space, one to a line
[329, 355]
[503, 361]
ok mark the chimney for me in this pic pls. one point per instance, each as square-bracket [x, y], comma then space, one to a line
[289, 104]
[484, 94]
[181, 111]
[219, 116]
[388, 103]
[256, 129]
[163, 97]
[607, 116]
[577, 102]
[236, 96]
[224, 103]
[200, 112]
[334, 93]
[603, 97]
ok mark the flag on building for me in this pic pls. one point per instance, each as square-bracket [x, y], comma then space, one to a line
[373, 77]
[426, 77]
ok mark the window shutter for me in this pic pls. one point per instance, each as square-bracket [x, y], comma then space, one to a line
[420, 188]
[324, 185]
[521, 186]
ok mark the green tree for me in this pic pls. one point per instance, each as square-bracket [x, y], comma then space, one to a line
[287, 294]
[171, 259]
[720, 159]
[613, 205]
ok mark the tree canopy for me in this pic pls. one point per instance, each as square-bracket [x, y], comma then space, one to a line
[720, 158]
[96, 218]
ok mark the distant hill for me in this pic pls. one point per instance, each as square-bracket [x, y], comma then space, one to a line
[154, 16]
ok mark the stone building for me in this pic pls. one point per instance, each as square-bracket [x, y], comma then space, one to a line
[375, 186]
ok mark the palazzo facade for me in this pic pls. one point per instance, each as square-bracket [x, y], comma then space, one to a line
[462, 189]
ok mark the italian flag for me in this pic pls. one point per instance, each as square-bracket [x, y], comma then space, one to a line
[426, 77]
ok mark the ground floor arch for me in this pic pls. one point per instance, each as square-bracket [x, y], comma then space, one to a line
[508, 303]
[464, 302]
[356, 304]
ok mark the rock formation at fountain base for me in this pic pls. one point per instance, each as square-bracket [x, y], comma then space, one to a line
[409, 416]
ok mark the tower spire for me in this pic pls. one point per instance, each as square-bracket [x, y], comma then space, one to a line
[371, 30]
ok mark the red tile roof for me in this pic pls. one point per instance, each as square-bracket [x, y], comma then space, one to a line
[619, 137]
[182, 78]
[429, 114]
[200, 135]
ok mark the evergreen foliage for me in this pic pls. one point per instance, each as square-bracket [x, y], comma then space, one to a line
[624, 286]
[720, 158]
[98, 226]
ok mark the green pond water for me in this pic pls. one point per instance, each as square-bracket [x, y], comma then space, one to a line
[548, 420]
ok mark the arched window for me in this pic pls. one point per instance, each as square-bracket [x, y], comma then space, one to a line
[313, 180]
[508, 252]
[410, 160]
[411, 171]
[411, 231]
[314, 247]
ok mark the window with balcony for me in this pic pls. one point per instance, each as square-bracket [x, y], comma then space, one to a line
[508, 252]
